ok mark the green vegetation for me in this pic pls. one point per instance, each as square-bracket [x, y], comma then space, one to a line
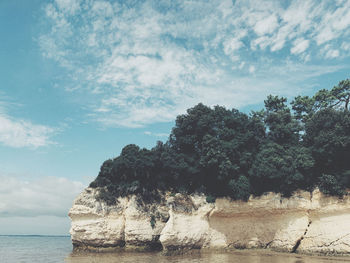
[210, 199]
[153, 221]
[223, 152]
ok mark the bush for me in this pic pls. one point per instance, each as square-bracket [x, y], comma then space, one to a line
[329, 185]
[210, 199]
[106, 196]
[153, 221]
[240, 188]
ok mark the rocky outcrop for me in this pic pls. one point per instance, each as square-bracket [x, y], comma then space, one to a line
[329, 231]
[307, 223]
[129, 223]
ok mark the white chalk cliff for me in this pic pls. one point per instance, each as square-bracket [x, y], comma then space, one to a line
[306, 223]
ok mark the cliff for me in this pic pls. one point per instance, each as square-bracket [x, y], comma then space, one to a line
[306, 223]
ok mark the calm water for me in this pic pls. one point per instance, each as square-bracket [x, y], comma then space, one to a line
[17, 249]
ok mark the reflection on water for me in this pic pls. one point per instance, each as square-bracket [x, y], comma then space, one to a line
[246, 256]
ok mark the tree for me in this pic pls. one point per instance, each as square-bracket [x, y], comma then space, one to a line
[329, 185]
[282, 127]
[341, 93]
[338, 98]
[327, 135]
[240, 188]
[303, 107]
[280, 169]
[217, 145]
[275, 104]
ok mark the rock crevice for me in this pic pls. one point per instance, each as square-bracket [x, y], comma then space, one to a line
[297, 244]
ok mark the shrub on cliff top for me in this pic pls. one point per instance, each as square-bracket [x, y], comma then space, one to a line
[330, 185]
[222, 152]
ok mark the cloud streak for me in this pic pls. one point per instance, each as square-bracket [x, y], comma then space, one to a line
[20, 133]
[49, 196]
[147, 61]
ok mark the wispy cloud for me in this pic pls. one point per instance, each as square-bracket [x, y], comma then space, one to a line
[300, 45]
[156, 134]
[147, 61]
[20, 133]
[49, 196]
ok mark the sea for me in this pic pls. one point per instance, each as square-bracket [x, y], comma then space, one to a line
[52, 249]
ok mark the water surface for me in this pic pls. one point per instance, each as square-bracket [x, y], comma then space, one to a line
[40, 249]
[244, 256]
[50, 249]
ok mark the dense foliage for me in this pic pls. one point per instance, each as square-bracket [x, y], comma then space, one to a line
[223, 152]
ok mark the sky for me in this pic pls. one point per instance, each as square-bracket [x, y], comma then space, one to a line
[80, 79]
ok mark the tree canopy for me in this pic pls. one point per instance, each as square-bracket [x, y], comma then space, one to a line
[222, 152]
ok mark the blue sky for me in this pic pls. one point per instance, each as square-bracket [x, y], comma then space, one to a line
[80, 79]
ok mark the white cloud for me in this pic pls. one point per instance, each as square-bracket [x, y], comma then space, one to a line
[241, 65]
[231, 45]
[148, 61]
[49, 196]
[251, 69]
[325, 35]
[102, 8]
[300, 45]
[68, 6]
[156, 134]
[329, 52]
[20, 133]
[263, 42]
[345, 46]
[332, 53]
[334, 24]
[266, 25]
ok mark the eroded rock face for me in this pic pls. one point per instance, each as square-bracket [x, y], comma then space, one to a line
[329, 231]
[94, 224]
[188, 226]
[308, 223]
[267, 221]
[97, 226]
[143, 223]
